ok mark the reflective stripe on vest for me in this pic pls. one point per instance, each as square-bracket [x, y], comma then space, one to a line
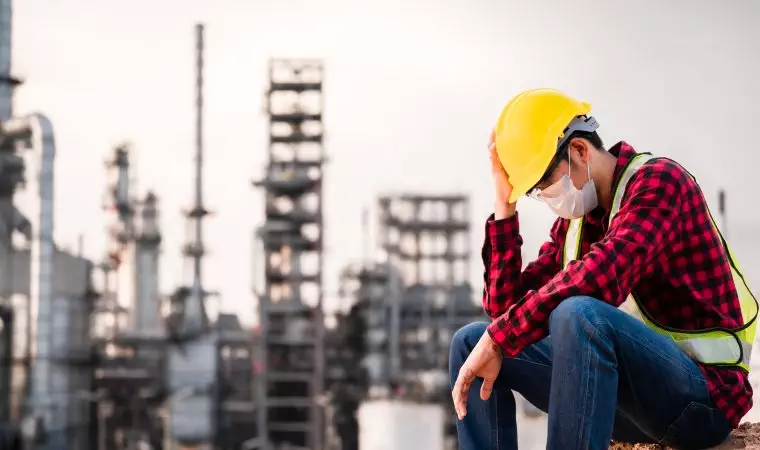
[716, 346]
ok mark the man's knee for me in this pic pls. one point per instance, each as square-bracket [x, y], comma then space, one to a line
[574, 310]
[466, 337]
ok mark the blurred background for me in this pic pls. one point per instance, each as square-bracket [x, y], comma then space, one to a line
[257, 224]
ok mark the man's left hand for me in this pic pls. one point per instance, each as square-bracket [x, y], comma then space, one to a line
[484, 362]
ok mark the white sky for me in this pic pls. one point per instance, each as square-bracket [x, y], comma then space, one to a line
[412, 89]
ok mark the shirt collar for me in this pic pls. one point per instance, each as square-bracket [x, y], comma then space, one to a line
[624, 153]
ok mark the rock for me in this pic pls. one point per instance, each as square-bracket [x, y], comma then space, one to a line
[746, 437]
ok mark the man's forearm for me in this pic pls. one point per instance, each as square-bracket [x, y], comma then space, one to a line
[502, 262]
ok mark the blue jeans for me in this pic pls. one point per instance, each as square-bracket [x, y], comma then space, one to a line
[600, 375]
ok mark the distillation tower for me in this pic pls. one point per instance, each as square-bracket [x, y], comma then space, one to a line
[291, 350]
[128, 335]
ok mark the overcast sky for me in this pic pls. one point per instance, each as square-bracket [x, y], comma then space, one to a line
[412, 89]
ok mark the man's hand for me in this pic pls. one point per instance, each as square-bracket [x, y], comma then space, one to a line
[502, 207]
[484, 362]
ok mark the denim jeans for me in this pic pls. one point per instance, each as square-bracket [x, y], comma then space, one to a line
[600, 375]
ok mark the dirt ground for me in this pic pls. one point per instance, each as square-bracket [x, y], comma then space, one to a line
[746, 437]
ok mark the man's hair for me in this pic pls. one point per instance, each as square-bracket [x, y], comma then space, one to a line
[592, 137]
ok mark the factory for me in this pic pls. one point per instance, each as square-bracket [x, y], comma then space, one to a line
[96, 357]
[344, 351]
[403, 303]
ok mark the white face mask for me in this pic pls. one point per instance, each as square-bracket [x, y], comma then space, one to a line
[566, 200]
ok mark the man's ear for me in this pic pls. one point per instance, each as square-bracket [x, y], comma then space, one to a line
[582, 149]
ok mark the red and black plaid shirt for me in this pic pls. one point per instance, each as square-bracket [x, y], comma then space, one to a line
[661, 244]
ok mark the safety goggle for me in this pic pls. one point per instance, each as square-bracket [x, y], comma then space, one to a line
[535, 191]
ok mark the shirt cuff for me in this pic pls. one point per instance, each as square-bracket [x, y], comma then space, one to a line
[500, 333]
[502, 230]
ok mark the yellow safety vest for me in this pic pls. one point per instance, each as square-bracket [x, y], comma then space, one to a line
[714, 346]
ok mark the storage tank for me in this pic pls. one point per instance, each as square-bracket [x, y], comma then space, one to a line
[385, 424]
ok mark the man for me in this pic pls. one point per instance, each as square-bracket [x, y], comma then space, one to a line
[634, 323]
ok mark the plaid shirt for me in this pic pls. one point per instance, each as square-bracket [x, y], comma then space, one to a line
[661, 244]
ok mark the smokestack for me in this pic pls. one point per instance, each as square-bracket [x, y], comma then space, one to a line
[147, 247]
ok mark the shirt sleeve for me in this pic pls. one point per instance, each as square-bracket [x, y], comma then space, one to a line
[642, 228]
[504, 280]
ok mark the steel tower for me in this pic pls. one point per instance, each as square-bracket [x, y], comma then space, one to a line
[290, 307]
[193, 360]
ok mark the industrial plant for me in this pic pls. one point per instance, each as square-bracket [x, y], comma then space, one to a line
[96, 357]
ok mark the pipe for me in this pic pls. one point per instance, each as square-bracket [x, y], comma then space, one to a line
[7, 83]
[37, 130]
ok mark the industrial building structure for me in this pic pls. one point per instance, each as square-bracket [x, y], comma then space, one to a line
[405, 308]
[44, 290]
[128, 335]
[291, 351]
[407, 302]
[95, 357]
[167, 373]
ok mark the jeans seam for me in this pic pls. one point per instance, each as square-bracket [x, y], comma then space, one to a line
[546, 366]
[496, 424]
[654, 350]
[589, 393]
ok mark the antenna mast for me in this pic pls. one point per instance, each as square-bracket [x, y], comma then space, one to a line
[195, 310]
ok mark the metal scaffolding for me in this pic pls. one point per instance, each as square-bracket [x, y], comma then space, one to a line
[405, 305]
[427, 238]
[290, 308]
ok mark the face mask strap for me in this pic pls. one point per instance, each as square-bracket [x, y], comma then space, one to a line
[570, 165]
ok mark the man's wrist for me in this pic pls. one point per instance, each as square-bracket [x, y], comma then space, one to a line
[503, 210]
[492, 345]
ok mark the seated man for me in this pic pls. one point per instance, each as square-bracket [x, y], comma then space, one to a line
[634, 323]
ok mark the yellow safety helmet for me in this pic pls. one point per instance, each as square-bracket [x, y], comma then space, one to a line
[528, 133]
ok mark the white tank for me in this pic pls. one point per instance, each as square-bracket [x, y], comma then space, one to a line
[385, 424]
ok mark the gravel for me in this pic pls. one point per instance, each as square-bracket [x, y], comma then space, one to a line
[746, 437]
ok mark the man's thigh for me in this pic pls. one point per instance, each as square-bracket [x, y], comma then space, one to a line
[530, 374]
[661, 389]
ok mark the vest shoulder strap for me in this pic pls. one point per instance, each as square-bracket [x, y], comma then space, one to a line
[630, 169]
[572, 246]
